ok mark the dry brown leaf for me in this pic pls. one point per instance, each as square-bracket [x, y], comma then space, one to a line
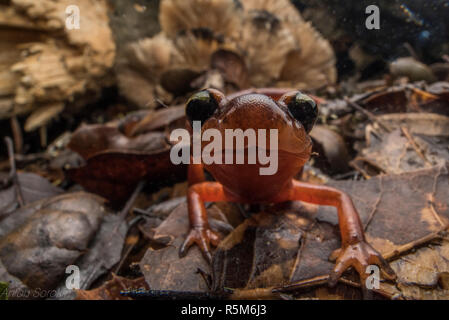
[419, 140]
[33, 188]
[289, 246]
[331, 148]
[38, 244]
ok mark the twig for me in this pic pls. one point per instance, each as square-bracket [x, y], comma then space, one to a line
[123, 215]
[321, 280]
[373, 212]
[415, 146]
[132, 199]
[17, 134]
[43, 135]
[129, 249]
[411, 50]
[160, 102]
[367, 113]
[409, 246]
[13, 173]
[122, 260]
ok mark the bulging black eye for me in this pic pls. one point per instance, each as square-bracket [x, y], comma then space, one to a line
[304, 109]
[201, 106]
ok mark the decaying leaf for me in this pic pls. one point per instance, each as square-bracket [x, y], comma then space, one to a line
[422, 274]
[89, 140]
[419, 140]
[163, 269]
[295, 243]
[114, 175]
[231, 66]
[155, 120]
[104, 252]
[33, 188]
[331, 149]
[263, 251]
[115, 163]
[177, 224]
[36, 246]
[406, 98]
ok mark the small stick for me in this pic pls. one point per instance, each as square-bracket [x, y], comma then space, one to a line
[392, 255]
[411, 50]
[17, 134]
[43, 135]
[367, 113]
[322, 280]
[122, 215]
[415, 146]
[129, 204]
[128, 251]
[122, 260]
[132, 199]
[13, 172]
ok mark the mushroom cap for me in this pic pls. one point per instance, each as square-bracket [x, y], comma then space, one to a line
[223, 17]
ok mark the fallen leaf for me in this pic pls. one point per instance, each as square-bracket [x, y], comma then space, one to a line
[295, 243]
[392, 100]
[89, 140]
[114, 175]
[164, 270]
[421, 140]
[406, 98]
[153, 120]
[331, 148]
[115, 163]
[176, 225]
[33, 188]
[231, 66]
[104, 252]
[37, 246]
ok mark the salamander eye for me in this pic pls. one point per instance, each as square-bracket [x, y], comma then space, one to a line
[201, 106]
[304, 109]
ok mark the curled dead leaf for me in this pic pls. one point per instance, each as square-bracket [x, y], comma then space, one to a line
[38, 244]
[331, 148]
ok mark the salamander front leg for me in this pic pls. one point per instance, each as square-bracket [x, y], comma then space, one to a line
[200, 232]
[355, 251]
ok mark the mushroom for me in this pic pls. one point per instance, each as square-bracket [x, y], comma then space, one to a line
[269, 37]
